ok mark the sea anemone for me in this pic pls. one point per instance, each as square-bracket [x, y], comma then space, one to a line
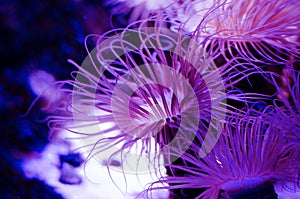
[249, 158]
[264, 31]
[147, 84]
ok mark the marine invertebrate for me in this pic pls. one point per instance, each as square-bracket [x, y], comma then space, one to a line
[250, 156]
[261, 31]
[147, 84]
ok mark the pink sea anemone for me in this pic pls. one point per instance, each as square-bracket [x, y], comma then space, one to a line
[263, 31]
[248, 159]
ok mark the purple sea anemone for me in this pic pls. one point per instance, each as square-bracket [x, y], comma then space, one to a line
[248, 159]
[144, 85]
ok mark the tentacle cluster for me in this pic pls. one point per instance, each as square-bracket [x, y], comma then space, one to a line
[288, 104]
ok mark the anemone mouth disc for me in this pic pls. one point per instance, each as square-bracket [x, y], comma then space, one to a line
[247, 183]
[248, 189]
[166, 107]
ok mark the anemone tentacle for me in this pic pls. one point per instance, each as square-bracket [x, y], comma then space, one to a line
[288, 104]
